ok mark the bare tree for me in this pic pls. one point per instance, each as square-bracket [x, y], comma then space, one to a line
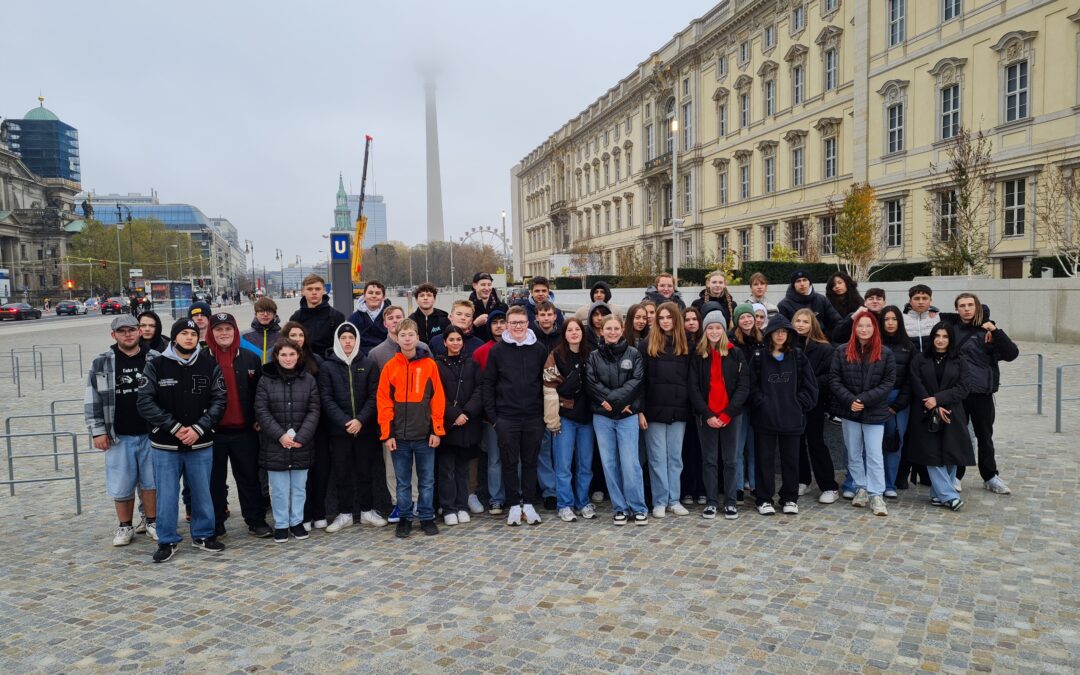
[1056, 213]
[961, 203]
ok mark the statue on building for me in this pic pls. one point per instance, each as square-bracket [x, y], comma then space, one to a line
[88, 209]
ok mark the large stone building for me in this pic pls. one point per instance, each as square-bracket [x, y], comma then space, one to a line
[782, 104]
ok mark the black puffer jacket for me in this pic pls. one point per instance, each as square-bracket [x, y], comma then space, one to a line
[481, 307]
[736, 381]
[347, 392]
[665, 398]
[817, 303]
[865, 381]
[573, 397]
[319, 322]
[615, 373]
[654, 295]
[902, 354]
[820, 357]
[460, 376]
[983, 375]
[286, 401]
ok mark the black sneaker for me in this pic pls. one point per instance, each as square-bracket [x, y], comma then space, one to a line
[281, 535]
[550, 503]
[429, 527]
[164, 553]
[219, 531]
[619, 518]
[404, 528]
[731, 513]
[260, 530]
[496, 509]
[641, 519]
[299, 531]
[709, 513]
[209, 544]
[740, 498]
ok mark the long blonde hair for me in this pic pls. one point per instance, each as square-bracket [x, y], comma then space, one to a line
[816, 334]
[704, 348]
[658, 340]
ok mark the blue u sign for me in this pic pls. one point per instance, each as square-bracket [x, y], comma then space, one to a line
[339, 246]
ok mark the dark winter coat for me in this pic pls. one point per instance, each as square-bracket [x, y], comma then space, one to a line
[247, 372]
[513, 381]
[736, 381]
[952, 445]
[780, 389]
[430, 326]
[319, 323]
[370, 332]
[817, 303]
[664, 394]
[983, 373]
[726, 302]
[480, 307]
[460, 377]
[820, 357]
[654, 295]
[261, 339]
[286, 401]
[176, 394]
[347, 392]
[158, 343]
[616, 374]
[902, 355]
[867, 382]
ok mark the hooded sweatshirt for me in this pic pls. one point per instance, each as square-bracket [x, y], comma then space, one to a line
[241, 370]
[513, 378]
[320, 322]
[782, 390]
[158, 343]
[817, 303]
[347, 387]
[596, 340]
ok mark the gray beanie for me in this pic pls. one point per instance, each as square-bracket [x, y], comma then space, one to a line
[715, 316]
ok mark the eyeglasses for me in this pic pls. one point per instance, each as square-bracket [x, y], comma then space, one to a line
[519, 324]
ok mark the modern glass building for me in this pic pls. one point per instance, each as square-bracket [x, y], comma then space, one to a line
[375, 210]
[47, 146]
[174, 216]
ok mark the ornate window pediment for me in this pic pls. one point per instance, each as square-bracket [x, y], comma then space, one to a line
[795, 136]
[829, 37]
[947, 71]
[605, 156]
[796, 54]
[743, 155]
[1014, 45]
[720, 94]
[628, 144]
[767, 68]
[827, 126]
[893, 90]
[743, 82]
[767, 147]
[720, 163]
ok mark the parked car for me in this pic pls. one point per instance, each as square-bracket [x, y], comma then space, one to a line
[515, 294]
[112, 306]
[70, 307]
[92, 304]
[19, 311]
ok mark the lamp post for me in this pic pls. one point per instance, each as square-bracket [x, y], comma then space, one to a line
[300, 262]
[119, 259]
[250, 250]
[506, 256]
[676, 222]
[179, 261]
[131, 241]
[451, 263]
[281, 263]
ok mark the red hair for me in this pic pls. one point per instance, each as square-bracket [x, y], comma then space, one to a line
[855, 350]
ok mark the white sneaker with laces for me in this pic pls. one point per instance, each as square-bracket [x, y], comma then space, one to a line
[307, 525]
[957, 486]
[678, 509]
[450, 518]
[151, 530]
[588, 512]
[803, 489]
[997, 486]
[829, 497]
[791, 508]
[123, 536]
[849, 494]
[140, 527]
[474, 505]
[342, 521]
[766, 509]
[373, 518]
[659, 512]
[463, 517]
[566, 514]
[531, 516]
[514, 517]
[320, 524]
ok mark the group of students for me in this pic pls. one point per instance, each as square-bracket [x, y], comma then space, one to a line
[655, 409]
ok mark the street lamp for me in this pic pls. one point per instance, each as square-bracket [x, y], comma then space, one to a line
[280, 256]
[506, 256]
[250, 250]
[179, 262]
[131, 241]
[119, 259]
[300, 262]
[676, 222]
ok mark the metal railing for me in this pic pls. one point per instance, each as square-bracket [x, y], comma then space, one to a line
[1038, 383]
[53, 415]
[16, 375]
[1058, 398]
[74, 458]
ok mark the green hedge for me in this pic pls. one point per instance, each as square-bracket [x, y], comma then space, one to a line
[900, 272]
[779, 273]
[574, 283]
[1037, 265]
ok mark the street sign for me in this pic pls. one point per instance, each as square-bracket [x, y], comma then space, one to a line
[137, 272]
[339, 246]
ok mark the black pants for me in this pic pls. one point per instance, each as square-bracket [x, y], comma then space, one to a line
[241, 449]
[599, 482]
[519, 443]
[766, 444]
[318, 478]
[454, 477]
[691, 479]
[981, 412]
[716, 443]
[814, 453]
[359, 473]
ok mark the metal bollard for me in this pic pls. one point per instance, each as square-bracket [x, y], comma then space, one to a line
[18, 377]
[1058, 398]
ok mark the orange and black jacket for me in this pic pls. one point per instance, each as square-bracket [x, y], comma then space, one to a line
[410, 399]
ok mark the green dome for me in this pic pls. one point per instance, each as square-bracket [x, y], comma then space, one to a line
[41, 112]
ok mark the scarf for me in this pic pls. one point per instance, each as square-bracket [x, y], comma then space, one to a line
[225, 356]
[718, 397]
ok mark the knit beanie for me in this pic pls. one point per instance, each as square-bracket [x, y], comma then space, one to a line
[758, 307]
[346, 328]
[182, 325]
[744, 308]
[715, 316]
[799, 274]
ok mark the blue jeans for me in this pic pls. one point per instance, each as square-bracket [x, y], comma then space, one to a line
[545, 466]
[941, 482]
[573, 464]
[195, 465]
[864, 456]
[288, 494]
[618, 444]
[744, 455]
[424, 456]
[664, 445]
[899, 421]
[494, 465]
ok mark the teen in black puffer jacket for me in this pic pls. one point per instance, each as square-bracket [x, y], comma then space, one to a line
[287, 399]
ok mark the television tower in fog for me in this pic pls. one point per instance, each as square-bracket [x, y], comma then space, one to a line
[435, 230]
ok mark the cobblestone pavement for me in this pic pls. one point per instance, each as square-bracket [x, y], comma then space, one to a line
[992, 587]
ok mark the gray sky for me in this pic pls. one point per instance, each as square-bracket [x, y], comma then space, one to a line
[249, 110]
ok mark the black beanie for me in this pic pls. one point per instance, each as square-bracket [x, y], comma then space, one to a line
[799, 274]
[346, 328]
[180, 325]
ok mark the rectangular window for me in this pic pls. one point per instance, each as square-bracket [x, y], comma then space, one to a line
[588, 183]
[607, 219]
[668, 196]
[770, 37]
[721, 67]
[797, 167]
[721, 119]
[588, 222]
[618, 216]
[649, 205]
[744, 244]
[797, 230]
[618, 169]
[629, 214]
[769, 232]
[770, 174]
[770, 98]
[607, 174]
[894, 223]
[687, 194]
[650, 143]
[897, 12]
[686, 86]
[950, 9]
[744, 181]
[797, 84]
[831, 5]
[1016, 91]
[629, 168]
[946, 215]
[744, 110]
[832, 69]
[721, 245]
[688, 125]
[950, 111]
[722, 188]
[1015, 207]
[744, 51]
[798, 18]
[830, 157]
[688, 248]
[828, 235]
[895, 115]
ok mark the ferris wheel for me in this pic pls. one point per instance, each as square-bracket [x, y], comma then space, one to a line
[486, 235]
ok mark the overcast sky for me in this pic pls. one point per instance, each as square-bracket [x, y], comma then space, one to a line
[248, 110]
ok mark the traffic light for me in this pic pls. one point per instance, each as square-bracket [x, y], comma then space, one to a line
[70, 284]
[103, 265]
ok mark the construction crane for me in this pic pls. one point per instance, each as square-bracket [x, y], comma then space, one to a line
[361, 221]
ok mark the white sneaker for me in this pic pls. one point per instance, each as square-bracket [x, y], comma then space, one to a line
[342, 521]
[659, 512]
[588, 512]
[956, 485]
[531, 516]
[790, 507]
[849, 494]
[463, 517]
[567, 515]
[140, 527]
[474, 505]
[123, 536]
[450, 518]
[803, 489]
[320, 524]
[766, 509]
[307, 525]
[829, 497]
[678, 509]
[372, 518]
[514, 517]
[877, 506]
[597, 497]
[997, 486]
[151, 530]
[892, 494]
